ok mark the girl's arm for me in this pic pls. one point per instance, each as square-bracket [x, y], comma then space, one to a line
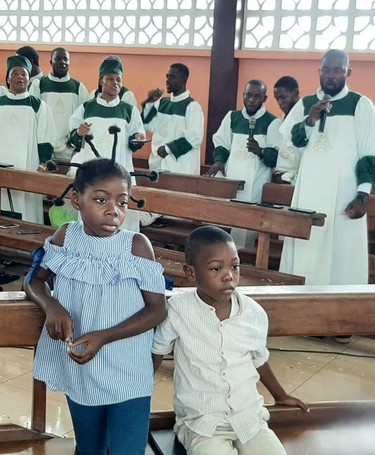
[58, 323]
[269, 380]
[154, 312]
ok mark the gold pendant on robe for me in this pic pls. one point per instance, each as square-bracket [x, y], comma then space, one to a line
[105, 142]
[242, 154]
[14, 119]
[163, 130]
[322, 144]
[59, 107]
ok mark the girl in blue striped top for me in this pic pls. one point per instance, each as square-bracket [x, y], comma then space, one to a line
[108, 297]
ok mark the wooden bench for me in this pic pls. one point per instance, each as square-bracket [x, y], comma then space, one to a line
[329, 429]
[142, 163]
[175, 232]
[207, 209]
[173, 262]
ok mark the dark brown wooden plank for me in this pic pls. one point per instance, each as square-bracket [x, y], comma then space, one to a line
[195, 184]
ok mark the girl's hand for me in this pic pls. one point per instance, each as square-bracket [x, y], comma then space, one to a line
[293, 401]
[90, 345]
[59, 323]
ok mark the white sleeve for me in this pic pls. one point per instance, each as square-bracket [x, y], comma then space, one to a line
[129, 98]
[194, 122]
[136, 124]
[223, 136]
[296, 115]
[77, 118]
[34, 88]
[83, 94]
[46, 132]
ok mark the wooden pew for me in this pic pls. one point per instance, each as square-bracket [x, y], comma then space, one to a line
[195, 184]
[142, 163]
[173, 262]
[292, 311]
[207, 209]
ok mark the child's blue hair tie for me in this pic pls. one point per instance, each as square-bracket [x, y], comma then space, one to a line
[37, 255]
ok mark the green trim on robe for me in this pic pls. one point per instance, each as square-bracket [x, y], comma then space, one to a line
[31, 101]
[122, 111]
[153, 113]
[168, 107]
[343, 106]
[46, 85]
[45, 151]
[75, 140]
[365, 170]
[299, 138]
[269, 156]
[240, 125]
[221, 154]
[179, 147]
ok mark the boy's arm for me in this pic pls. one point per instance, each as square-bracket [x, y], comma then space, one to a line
[156, 360]
[269, 380]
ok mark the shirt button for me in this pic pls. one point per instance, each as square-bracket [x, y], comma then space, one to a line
[222, 352]
[228, 397]
[223, 373]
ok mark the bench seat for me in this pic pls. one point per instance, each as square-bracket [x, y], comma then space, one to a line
[173, 262]
[330, 428]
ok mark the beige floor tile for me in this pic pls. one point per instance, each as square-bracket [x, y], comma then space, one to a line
[162, 399]
[16, 408]
[14, 363]
[25, 382]
[345, 378]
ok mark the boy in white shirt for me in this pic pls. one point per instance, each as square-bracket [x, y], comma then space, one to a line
[218, 337]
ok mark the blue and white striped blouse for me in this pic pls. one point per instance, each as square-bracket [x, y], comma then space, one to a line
[99, 281]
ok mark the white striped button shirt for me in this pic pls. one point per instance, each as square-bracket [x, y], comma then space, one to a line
[215, 363]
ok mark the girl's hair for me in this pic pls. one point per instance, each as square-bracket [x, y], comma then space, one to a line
[97, 170]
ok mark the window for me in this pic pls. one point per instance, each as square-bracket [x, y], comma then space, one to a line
[311, 25]
[137, 23]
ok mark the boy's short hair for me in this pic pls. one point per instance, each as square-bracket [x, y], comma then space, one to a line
[203, 236]
[287, 82]
[30, 53]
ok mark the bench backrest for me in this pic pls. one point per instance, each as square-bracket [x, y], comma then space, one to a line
[292, 311]
[184, 205]
[195, 184]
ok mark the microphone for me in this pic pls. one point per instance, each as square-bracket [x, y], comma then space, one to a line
[323, 115]
[252, 122]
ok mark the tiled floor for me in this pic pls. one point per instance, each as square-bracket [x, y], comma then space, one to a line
[313, 370]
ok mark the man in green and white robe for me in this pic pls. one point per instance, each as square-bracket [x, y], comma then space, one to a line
[246, 147]
[27, 133]
[335, 176]
[63, 94]
[177, 124]
[97, 115]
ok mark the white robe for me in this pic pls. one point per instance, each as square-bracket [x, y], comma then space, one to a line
[170, 127]
[103, 142]
[336, 253]
[21, 130]
[62, 104]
